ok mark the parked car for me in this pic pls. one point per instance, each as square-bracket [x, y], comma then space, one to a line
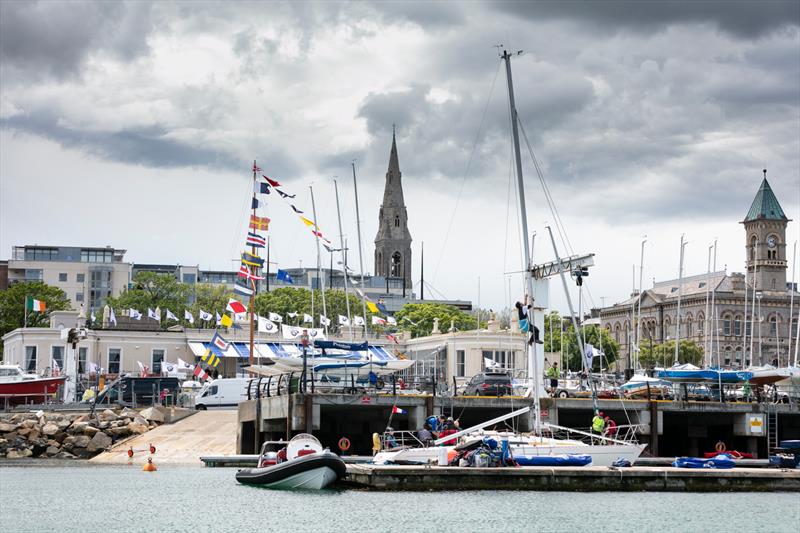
[489, 383]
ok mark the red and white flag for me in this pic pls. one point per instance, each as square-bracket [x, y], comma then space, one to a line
[236, 307]
[200, 373]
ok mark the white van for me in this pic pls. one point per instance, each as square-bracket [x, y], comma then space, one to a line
[222, 393]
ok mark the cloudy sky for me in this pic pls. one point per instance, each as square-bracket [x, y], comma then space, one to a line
[135, 125]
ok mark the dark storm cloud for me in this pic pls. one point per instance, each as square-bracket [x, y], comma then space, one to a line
[741, 18]
[38, 39]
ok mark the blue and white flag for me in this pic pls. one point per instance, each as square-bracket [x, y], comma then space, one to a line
[112, 318]
[206, 316]
[308, 319]
[170, 316]
[134, 314]
[255, 240]
[188, 316]
[219, 342]
[152, 314]
[284, 276]
[244, 290]
[275, 317]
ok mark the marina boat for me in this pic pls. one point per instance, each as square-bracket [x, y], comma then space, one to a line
[554, 441]
[691, 374]
[17, 387]
[638, 387]
[769, 375]
[302, 464]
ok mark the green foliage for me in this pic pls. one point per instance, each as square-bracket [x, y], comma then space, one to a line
[418, 318]
[594, 335]
[663, 355]
[12, 305]
[298, 300]
[209, 298]
[151, 290]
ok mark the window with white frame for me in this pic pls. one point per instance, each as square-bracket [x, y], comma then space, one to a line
[30, 358]
[114, 360]
[57, 353]
[461, 363]
[158, 358]
[82, 355]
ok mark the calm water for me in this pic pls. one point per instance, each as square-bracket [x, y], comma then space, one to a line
[118, 498]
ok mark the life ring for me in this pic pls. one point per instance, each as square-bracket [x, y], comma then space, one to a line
[152, 449]
[344, 444]
[720, 447]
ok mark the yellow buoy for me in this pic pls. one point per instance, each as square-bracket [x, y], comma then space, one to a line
[149, 466]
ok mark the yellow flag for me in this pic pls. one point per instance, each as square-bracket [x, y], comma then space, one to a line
[372, 307]
[215, 362]
[226, 321]
[306, 221]
[205, 355]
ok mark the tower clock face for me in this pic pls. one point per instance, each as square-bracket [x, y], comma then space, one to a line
[771, 241]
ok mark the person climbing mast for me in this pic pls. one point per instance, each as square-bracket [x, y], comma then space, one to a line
[525, 324]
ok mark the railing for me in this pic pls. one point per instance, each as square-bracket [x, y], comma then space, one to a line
[622, 434]
[397, 440]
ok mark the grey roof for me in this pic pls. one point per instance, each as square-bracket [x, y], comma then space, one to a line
[765, 206]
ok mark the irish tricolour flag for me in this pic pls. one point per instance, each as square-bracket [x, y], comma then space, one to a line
[34, 305]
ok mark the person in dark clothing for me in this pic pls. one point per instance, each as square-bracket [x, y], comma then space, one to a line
[425, 435]
[525, 324]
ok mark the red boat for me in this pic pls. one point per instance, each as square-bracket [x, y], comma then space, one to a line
[17, 387]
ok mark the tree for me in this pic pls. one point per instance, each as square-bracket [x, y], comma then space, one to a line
[418, 318]
[663, 355]
[151, 290]
[598, 337]
[209, 298]
[12, 305]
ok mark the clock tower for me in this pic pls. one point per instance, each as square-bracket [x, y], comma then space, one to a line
[765, 230]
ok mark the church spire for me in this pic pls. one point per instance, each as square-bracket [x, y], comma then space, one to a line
[393, 191]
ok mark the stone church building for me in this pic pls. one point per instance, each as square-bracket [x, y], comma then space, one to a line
[735, 331]
[393, 241]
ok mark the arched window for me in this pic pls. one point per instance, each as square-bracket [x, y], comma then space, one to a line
[753, 241]
[397, 221]
[726, 325]
[627, 331]
[738, 357]
[773, 326]
[396, 269]
[689, 323]
[701, 324]
[616, 331]
[727, 361]
[774, 282]
[737, 326]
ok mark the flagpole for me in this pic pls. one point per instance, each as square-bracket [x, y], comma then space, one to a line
[266, 276]
[360, 254]
[253, 272]
[344, 259]
[25, 312]
[319, 268]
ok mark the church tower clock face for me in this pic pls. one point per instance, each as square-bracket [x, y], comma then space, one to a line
[771, 241]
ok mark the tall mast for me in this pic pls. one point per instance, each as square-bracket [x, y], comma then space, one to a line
[360, 253]
[253, 271]
[533, 372]
[753, 300]
[744, 333]
[422, 273]
[639, 306]
[344, 258]
[791, 308]
[714, 313]
[320, 278]
[680, 293]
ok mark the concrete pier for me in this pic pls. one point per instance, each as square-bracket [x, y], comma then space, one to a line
[582, 479]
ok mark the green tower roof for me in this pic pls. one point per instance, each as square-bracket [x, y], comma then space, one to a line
[765, 206]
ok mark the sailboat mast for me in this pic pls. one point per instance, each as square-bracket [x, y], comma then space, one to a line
[791, 307]
[744, 333]
[320, 278]
[753, 302]
[360, 253]
[253, 271]
[422, 273]
[706, 348]
[680, 294]
[344, 259]
[639, 307]
[533, 373]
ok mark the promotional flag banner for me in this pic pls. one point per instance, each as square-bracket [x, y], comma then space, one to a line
[134, 314]
[295, 332]
[284, 276]
[32, 304]
[183, 365]
[358, 320]
[308, 319]
[206, 316]
[292, 315]
[170, 316]
[189, 317]
[324, 320]
[252, 260]
[219, 342]
[267, 326]
[391, 320]
[243, 289]
[226, 321]
[170, 369]
[112, 318]
[219, 319]
[152, 314]
[256, 240]
[275, 317]
[344, 321]
[296, 210]
[378, 321]
[259, 223]
[235, 306]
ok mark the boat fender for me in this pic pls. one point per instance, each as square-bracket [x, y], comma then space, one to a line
[376, 443]
[130, 451]
[720, 447]
[152, 449]
[344, 444]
